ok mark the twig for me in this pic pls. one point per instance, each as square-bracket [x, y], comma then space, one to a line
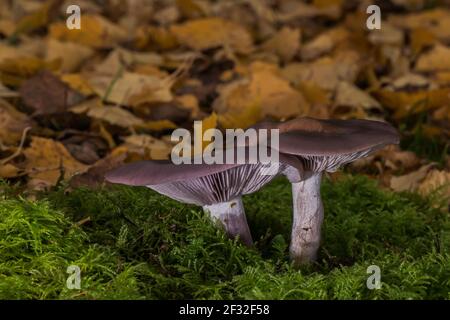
[19, 149]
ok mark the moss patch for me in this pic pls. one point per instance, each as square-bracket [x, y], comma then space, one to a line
[140, 245]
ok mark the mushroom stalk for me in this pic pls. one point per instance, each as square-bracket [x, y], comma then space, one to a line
[231, 214]
[308, 217]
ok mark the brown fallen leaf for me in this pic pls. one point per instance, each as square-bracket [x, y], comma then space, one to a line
[208, 33]
[46, 94]
[14, 71]
[131, 89]
[47, 161]
[406, 102]
[9, 171]
[285, 43]
[360, 102]
[263, 87]
[151, 147]
[96, 32]
[435, 60]
[115, 115]
[410, 181]
[12, 124]
[95, 175]
[436, 181]
[325, 72]
[436, 21]
[71, 54]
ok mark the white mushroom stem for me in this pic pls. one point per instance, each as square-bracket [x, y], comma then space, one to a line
[307, 222]
[231, 214]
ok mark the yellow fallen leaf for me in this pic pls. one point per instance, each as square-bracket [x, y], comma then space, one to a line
[13, 71]
[96, 32]
[191, 8]
[326, 72]
[131, 88]
[8, 171]
[12, 123]
[36, 19]
[189, 102]
[436, 181]
[116, 116]
[421, 38]
[77, 82]
[403, 102]
[263, 86]
[46, 160]
[410, 181]
[241, 119]
[148, 146]
[71, 54]
[208, 33]
[435, 60]
[436, 21]
[209, 122]
[158, 125]
[356, 100]
[285, 43]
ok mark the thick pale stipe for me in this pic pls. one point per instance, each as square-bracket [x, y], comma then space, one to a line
[231, 215]
[308, 218]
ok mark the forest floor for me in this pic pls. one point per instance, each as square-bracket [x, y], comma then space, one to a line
[131, 243]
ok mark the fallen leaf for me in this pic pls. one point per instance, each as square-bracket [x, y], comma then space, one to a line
[47, 161]
[78, 83]
[95, 175]
[95, 32]
[435, 60]
[348, 95]
[410, 181]
[46, 94]
[325, 72]
[436, 21]
[131, 89]
[438, 181]
[208, 33]
[115, 115]
[263, 87]
[72, 55]
[12, 123]
[9, 171]
[285, 43]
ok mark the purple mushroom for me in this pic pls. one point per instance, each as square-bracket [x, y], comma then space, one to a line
[218, 188]
[321, 146]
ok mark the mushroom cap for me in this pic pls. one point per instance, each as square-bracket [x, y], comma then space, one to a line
[328, 144]
[200, 184]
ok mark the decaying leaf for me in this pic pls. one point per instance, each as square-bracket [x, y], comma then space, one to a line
[410, 181]
[285, 43]
[71, 54]
[12, 123]
[208, 33]
[115, 115]
[264, 87]
[96, 32]
[46, 94]
[131, 89]
[435, 60]
[48, 161]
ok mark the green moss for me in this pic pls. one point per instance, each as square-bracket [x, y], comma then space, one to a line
[139, 244]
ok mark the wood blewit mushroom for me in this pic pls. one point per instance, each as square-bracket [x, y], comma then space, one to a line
[218, 188]
[321, 146]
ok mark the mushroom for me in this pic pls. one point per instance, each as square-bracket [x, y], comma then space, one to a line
[218, 188]
[321, 146]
